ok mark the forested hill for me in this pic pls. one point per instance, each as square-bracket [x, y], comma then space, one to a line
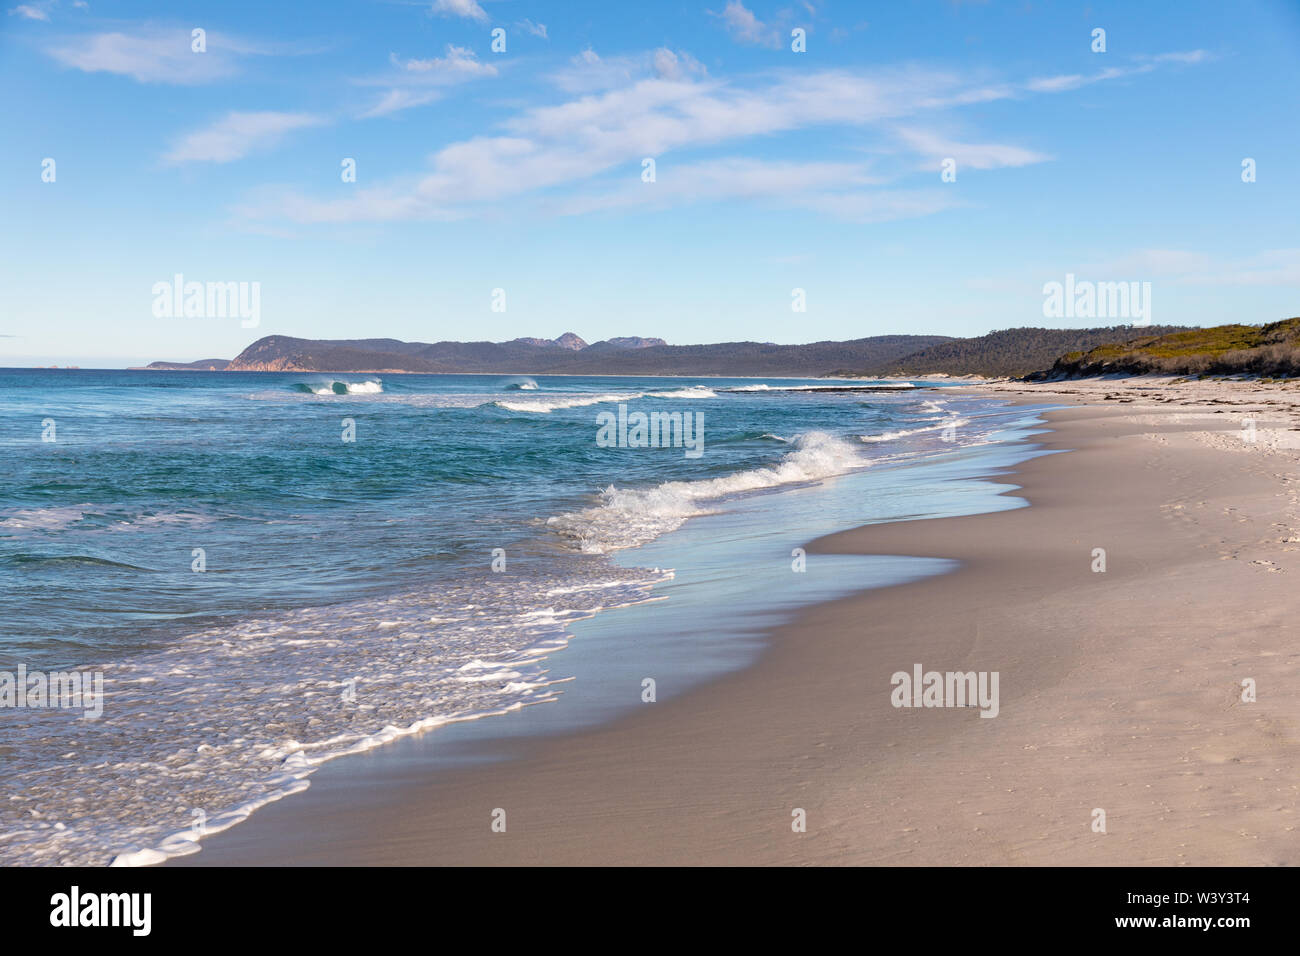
[1270, 350]
[569, 355]
[1007, 352]
[1013, 352]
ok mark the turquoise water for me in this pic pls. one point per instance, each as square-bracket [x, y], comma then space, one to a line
[273, 570]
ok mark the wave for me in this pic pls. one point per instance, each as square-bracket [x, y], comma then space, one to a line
[44, 560]
[544, 405]
[849, 387]
[953, 422]
[692, 391]
[628, 517]
[368, 387]
[520, 385]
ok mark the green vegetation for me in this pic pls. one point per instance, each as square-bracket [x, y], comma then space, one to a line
[1012, 352]
[1268, 350]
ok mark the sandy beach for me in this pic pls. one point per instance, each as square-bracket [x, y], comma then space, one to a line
[1120, 690]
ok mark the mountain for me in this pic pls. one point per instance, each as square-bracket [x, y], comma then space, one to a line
[570, 355]
[633, 342]
[570, 341]
[566, 341]
[1272, 349]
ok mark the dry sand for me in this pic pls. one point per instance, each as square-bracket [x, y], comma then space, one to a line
[1119, 691]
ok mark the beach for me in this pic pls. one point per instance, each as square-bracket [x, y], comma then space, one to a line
[1120, 690]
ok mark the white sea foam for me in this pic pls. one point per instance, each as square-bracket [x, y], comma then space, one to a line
[369, 387]
[551, 403]
[627, 517]
[693, 391]
[49, 520]
[43, 519]
[953, 422]
[227, 719]
[844, 387]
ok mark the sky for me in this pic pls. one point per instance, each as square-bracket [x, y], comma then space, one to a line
[917, 167]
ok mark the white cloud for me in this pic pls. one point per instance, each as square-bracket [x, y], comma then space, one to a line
[1144, 64]
[589, 72]
[157, 55]
[235, 135]
[418, 82]
[561, 151]
[458, 60]
[969, 155]
[1190, 56]
[669, 65]
[536, 29]
[29, 11]
[566, 145]
[460, 8]
[394, 101]
[747, 28]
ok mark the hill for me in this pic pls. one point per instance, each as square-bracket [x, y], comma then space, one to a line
[1011, 352]
[569, 355]
[1272, 349]
[202, 365]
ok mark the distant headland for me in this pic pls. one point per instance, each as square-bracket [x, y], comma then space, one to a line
[1007, 352]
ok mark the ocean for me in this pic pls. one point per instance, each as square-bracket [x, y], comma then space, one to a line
[268, 571]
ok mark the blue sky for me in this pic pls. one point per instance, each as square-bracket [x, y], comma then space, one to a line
[522, 169]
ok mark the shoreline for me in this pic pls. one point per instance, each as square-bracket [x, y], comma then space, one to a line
[1090, 715]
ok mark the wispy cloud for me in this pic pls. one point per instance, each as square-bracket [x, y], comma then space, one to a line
[458, 60]
[236, 135]
[31, 11]
[661, 102]
[968, 155]
[159, 55]
[1142, 64]
[589, 72]
[536, 29]
[460, 8]
[745, 27]
[415, 82]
